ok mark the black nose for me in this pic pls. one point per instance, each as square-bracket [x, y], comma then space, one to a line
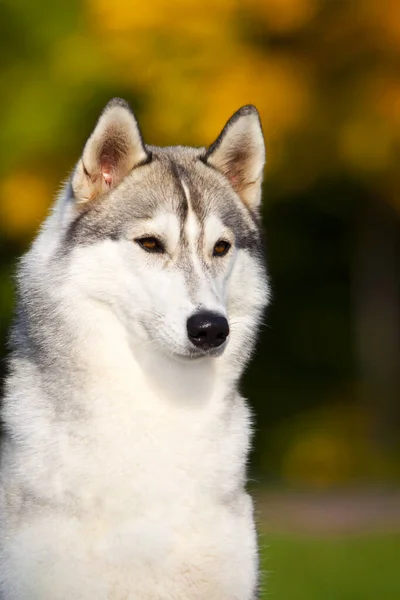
[207, 330]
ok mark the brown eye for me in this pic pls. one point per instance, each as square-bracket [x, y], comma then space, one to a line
[151, 244]
[221, 248]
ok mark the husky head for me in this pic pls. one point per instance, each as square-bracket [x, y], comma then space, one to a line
[168, 238]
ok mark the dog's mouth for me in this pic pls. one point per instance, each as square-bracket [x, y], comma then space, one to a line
[199, 344]
[195, 353]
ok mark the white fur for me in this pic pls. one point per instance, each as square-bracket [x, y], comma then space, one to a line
[125, 481]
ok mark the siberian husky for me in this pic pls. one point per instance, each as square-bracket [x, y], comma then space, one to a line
[126, 439]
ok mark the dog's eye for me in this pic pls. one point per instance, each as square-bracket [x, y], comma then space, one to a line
[221, 248]
[151, 244]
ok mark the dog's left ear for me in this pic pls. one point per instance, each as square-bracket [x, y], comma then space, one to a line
[239, 154]
[111, 152]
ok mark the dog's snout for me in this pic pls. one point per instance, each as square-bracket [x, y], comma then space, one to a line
[207, 330]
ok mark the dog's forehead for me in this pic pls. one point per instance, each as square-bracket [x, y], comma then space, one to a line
[175, 182]
[184, 184]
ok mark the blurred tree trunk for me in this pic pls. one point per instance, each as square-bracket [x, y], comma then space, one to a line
[376, 302]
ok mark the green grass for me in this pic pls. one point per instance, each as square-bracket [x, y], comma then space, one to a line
[355, 568]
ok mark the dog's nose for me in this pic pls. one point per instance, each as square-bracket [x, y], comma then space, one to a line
[207, 330]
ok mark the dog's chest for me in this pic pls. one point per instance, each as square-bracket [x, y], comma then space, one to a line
[158, 479]
[148, 457]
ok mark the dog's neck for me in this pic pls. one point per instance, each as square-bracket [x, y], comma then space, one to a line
[187, 381]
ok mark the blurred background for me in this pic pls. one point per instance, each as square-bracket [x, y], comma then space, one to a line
[325, 76]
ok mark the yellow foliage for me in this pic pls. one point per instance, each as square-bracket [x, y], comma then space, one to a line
[284, 15]
[24, 200]
[192, 64]
[366, 144]
[319, 460]
[280, 91]
[385, 16]
[332, 447]
[386, 97]
[78, 59]
[176, 15]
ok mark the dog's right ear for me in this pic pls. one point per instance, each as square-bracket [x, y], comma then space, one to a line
[239, 154]
[111, 152]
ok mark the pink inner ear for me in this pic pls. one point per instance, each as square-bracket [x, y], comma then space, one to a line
[235, 180]
[107, 174]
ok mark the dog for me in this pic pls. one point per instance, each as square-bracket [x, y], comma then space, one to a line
[126, 439]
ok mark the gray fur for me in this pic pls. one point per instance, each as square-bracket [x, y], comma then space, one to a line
[157, 184]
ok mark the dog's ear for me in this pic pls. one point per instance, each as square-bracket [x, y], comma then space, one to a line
[111, 152]
[239, 154]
